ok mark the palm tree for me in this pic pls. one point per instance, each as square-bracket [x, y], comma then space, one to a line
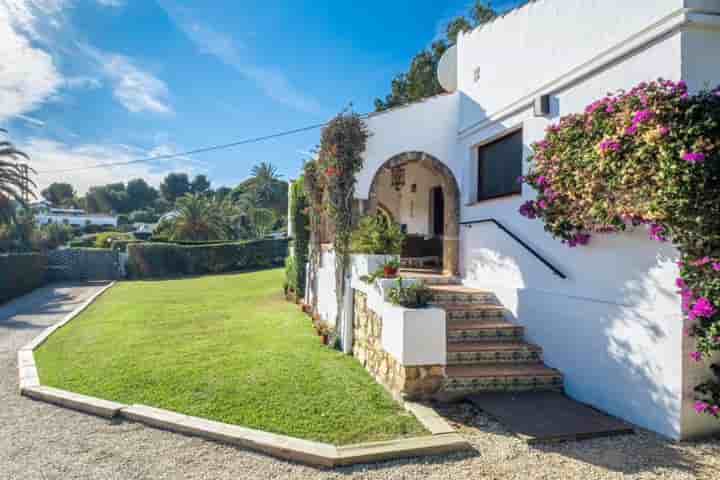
[266, 177]
[199, 218]
[15, 183]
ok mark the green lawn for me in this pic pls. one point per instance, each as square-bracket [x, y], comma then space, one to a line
[227, 348]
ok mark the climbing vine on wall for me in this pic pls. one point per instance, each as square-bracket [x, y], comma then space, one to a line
[646, 157]
[343, 142]
[300, 219]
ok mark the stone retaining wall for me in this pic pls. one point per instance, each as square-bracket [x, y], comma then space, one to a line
[404, 381]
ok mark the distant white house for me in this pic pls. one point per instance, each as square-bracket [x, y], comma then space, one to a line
[606, 316]
[46, 214]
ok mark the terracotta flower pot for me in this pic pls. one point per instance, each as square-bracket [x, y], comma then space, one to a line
[390, 272]
[324, 339]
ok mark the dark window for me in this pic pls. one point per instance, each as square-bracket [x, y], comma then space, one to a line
[500, 166]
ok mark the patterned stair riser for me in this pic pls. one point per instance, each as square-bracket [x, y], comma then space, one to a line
[520, 356]
[505, 334]
[503, 384]
[474, 314]
[453, 298]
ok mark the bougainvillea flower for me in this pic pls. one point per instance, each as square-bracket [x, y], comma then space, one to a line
[694, 157]
[716, 266]
[704, 308]
[643, 116]
[609, 145]
[680, 283]
[664, 131]
[657, 233]
[702, 261]
[715, 410]
[631, 130]
[697, 356]
[701, 407]
[528, 210]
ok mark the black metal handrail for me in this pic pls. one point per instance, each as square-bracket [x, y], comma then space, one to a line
[518, 240]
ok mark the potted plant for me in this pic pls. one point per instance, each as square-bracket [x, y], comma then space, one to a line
[414, 296]
[376, 240]
[391, 267]
[323, 331]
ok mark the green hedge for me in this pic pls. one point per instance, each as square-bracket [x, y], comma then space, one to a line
[157, 260]
[21, 273]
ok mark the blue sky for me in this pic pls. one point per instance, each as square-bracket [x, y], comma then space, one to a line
[95, 81]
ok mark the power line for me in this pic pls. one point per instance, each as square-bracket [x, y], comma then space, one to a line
[192, 152]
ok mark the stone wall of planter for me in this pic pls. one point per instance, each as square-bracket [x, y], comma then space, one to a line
[405, 381]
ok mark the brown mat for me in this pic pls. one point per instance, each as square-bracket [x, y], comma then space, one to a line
[548, 416]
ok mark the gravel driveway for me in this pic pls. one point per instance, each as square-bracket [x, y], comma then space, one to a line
[39, 441]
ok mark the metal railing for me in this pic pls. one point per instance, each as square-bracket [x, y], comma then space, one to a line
[518, 240]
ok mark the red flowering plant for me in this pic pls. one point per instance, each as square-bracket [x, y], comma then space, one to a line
[649, 156]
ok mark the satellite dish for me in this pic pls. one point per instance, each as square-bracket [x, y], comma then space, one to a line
[447, 70]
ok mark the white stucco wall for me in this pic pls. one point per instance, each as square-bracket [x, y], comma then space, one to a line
[540, 42]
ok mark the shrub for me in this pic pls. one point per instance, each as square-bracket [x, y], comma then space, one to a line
[105, 239]
[21, 273]
[291, 277]
[153, 260]
[416, 295]
[377, 235]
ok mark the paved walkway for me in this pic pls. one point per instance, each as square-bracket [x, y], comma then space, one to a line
[39, 441]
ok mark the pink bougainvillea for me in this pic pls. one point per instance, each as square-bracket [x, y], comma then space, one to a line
[648, 156]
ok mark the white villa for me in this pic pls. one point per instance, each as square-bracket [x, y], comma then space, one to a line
[46, 214]
[606, 320]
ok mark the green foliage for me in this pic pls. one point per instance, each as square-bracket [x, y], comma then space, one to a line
[200, 185]
[175, 186]
[416, 295]
[301, 240]
[105, 239]
[140, 195]
[420, 81]
[60, 194]
[54, 235]
[377, 235]
[21, 273]
[291, 276]
[152, 260]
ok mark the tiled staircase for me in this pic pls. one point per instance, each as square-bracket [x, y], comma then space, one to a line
[485, 352]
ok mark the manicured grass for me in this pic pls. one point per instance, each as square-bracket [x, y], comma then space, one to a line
[227, 348]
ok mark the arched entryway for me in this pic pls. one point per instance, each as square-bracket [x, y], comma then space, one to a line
[421, 193]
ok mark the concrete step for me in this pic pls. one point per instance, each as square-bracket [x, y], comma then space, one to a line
[473, 311]
[462, 379]
[490, 352]
[469, 331]
[448, 295]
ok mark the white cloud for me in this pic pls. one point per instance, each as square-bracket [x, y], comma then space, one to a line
[82, 81]
[48, 157]
[31, 120]
[28, 75]
[273, 83]
[136, 89]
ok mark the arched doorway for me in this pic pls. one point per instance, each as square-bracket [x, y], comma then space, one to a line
[421, 193]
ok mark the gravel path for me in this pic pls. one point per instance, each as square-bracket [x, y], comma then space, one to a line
[39, 441]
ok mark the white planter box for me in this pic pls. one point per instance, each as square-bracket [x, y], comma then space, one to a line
[415, 336]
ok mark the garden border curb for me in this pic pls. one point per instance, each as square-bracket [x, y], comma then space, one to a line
[442, 439]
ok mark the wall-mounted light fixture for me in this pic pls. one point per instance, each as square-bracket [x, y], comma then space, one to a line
[541, 107]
